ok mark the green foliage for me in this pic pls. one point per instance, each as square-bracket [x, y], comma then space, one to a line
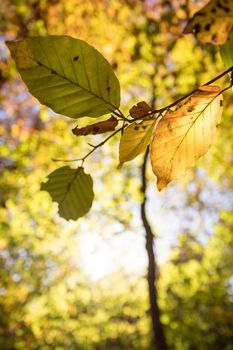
[72, 189]
[226, 51]
[67, 75]
[198, 300]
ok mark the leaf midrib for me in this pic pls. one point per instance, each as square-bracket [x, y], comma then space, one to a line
[69, 185]
[185, 135]
[75, 83]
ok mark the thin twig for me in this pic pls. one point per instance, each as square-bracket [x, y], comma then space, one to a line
[155, 111]
[94, 148]
[192, 92]
[101, 144]
[120, 115]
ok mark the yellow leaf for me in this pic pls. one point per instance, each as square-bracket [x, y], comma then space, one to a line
[186, 134]
[213, 23]
[135, 139]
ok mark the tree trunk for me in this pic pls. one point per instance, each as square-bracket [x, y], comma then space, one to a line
[158, 331]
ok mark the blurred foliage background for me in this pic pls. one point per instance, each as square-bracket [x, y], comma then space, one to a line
[80, 285]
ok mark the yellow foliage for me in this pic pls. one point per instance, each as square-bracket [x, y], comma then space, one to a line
[213, 23]
[135, 139]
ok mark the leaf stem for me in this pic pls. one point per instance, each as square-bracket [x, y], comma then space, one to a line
[120, 115]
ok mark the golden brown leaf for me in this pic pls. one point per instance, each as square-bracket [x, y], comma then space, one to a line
[186, 134]
[97, 128]
[139, 110]
[213, 23]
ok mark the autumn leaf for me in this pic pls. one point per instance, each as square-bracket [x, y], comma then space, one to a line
[213, 23]
[97, 128]
[139, 110]
[184, 135]
[135, 139]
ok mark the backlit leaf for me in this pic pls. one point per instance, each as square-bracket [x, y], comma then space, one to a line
[97, 128]
[213, 23]
[67, 74]
[186, 134]
[135, 139]
[226, 51]
[72, 189]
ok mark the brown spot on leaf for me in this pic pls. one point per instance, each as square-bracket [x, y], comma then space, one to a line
[197, 28]
[191, 109]
[222, 7]
[214, 37]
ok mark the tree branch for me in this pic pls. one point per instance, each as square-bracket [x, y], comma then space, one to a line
[192, 92]
[173, 104]
[154, 111]
[158, 331]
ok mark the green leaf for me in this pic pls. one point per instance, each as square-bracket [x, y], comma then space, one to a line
[67, 74]
[135, 139]
[72, 189]
[226, 51]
